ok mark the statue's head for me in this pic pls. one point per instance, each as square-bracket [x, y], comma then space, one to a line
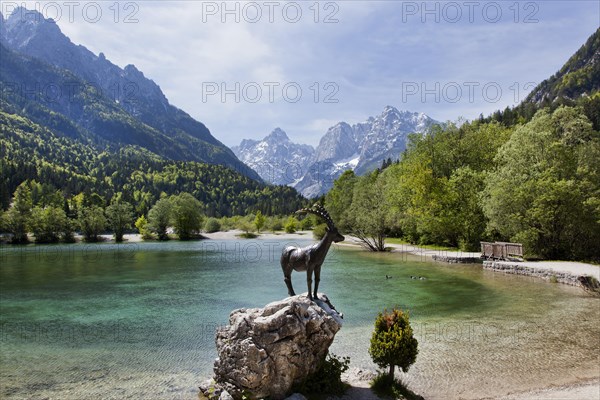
[320, 211]
[337, 236]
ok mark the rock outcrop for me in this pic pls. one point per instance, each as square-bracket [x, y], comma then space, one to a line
[263, 352]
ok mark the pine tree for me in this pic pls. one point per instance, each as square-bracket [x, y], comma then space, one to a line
[393, 343]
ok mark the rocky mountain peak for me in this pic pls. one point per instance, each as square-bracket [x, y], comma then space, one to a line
[145, 117]
[338, 142]
[360, 147]
[276, 158]
[278, 135]
[23, 26]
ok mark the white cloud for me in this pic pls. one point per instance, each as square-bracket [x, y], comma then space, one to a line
[373, 49]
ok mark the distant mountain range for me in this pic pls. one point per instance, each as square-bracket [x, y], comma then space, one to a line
[69, 89]
[361, 147]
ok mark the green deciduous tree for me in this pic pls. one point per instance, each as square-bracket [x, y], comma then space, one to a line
[141, 225]
[275, 224]
[308, 222]
[120, 215]
[392, 342]
[49, 224]
[212, 225]
[17, 217]
[159, 218]
[186, 215]
[545, 192]
[319, 231]
[339, 199]
[259, 221]
[291, 225]
[434, 190]
[370, 211]
[92, 222]
[244, 225]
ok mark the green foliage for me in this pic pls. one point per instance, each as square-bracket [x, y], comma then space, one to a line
[229, 223]
[275, 224]
[259, 221]
[434, 190]
[120, 215]
[49, 224]
[307, 222]
[248, 235]
[159, 217]
[141, 225]
[392, 342]
[319, 231]
[326, 380]
[16, 219]
[431, 196]
[29, 151]
[186, 215]
[291, 225]
[248, 227]
[370, 211]
[212, 225]
[15, 223]
[92, 222]
[339, 200]
[545, 192]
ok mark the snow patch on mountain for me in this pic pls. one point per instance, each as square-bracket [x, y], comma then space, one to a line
[275, 158]
[361, 147]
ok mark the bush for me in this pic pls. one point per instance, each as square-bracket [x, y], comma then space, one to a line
[291, 225]
[319, 231]
[246, 226]
[307, 223]
[228, 223]
[142, 226]
[327, 378]
[275, 224]
[212, 225]
[393, 343]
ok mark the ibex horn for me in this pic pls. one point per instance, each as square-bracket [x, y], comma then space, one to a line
[319, 211]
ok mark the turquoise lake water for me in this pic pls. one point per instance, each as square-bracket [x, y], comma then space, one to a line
[137, 321]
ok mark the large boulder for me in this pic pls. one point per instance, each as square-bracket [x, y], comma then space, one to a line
[263, 352]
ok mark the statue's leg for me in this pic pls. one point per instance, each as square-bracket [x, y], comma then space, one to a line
[309, 282]
[317, 280]
[288, 282]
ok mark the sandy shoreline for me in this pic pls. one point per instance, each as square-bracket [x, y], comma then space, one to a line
[359, 381]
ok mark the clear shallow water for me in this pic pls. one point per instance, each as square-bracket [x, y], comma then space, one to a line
[137, 320]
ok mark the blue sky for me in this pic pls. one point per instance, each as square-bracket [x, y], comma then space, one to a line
[349, 59]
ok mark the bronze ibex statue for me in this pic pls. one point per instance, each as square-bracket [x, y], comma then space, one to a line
[309, 258]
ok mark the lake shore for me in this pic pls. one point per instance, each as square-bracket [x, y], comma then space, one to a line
[359, 380]
[580, 388]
